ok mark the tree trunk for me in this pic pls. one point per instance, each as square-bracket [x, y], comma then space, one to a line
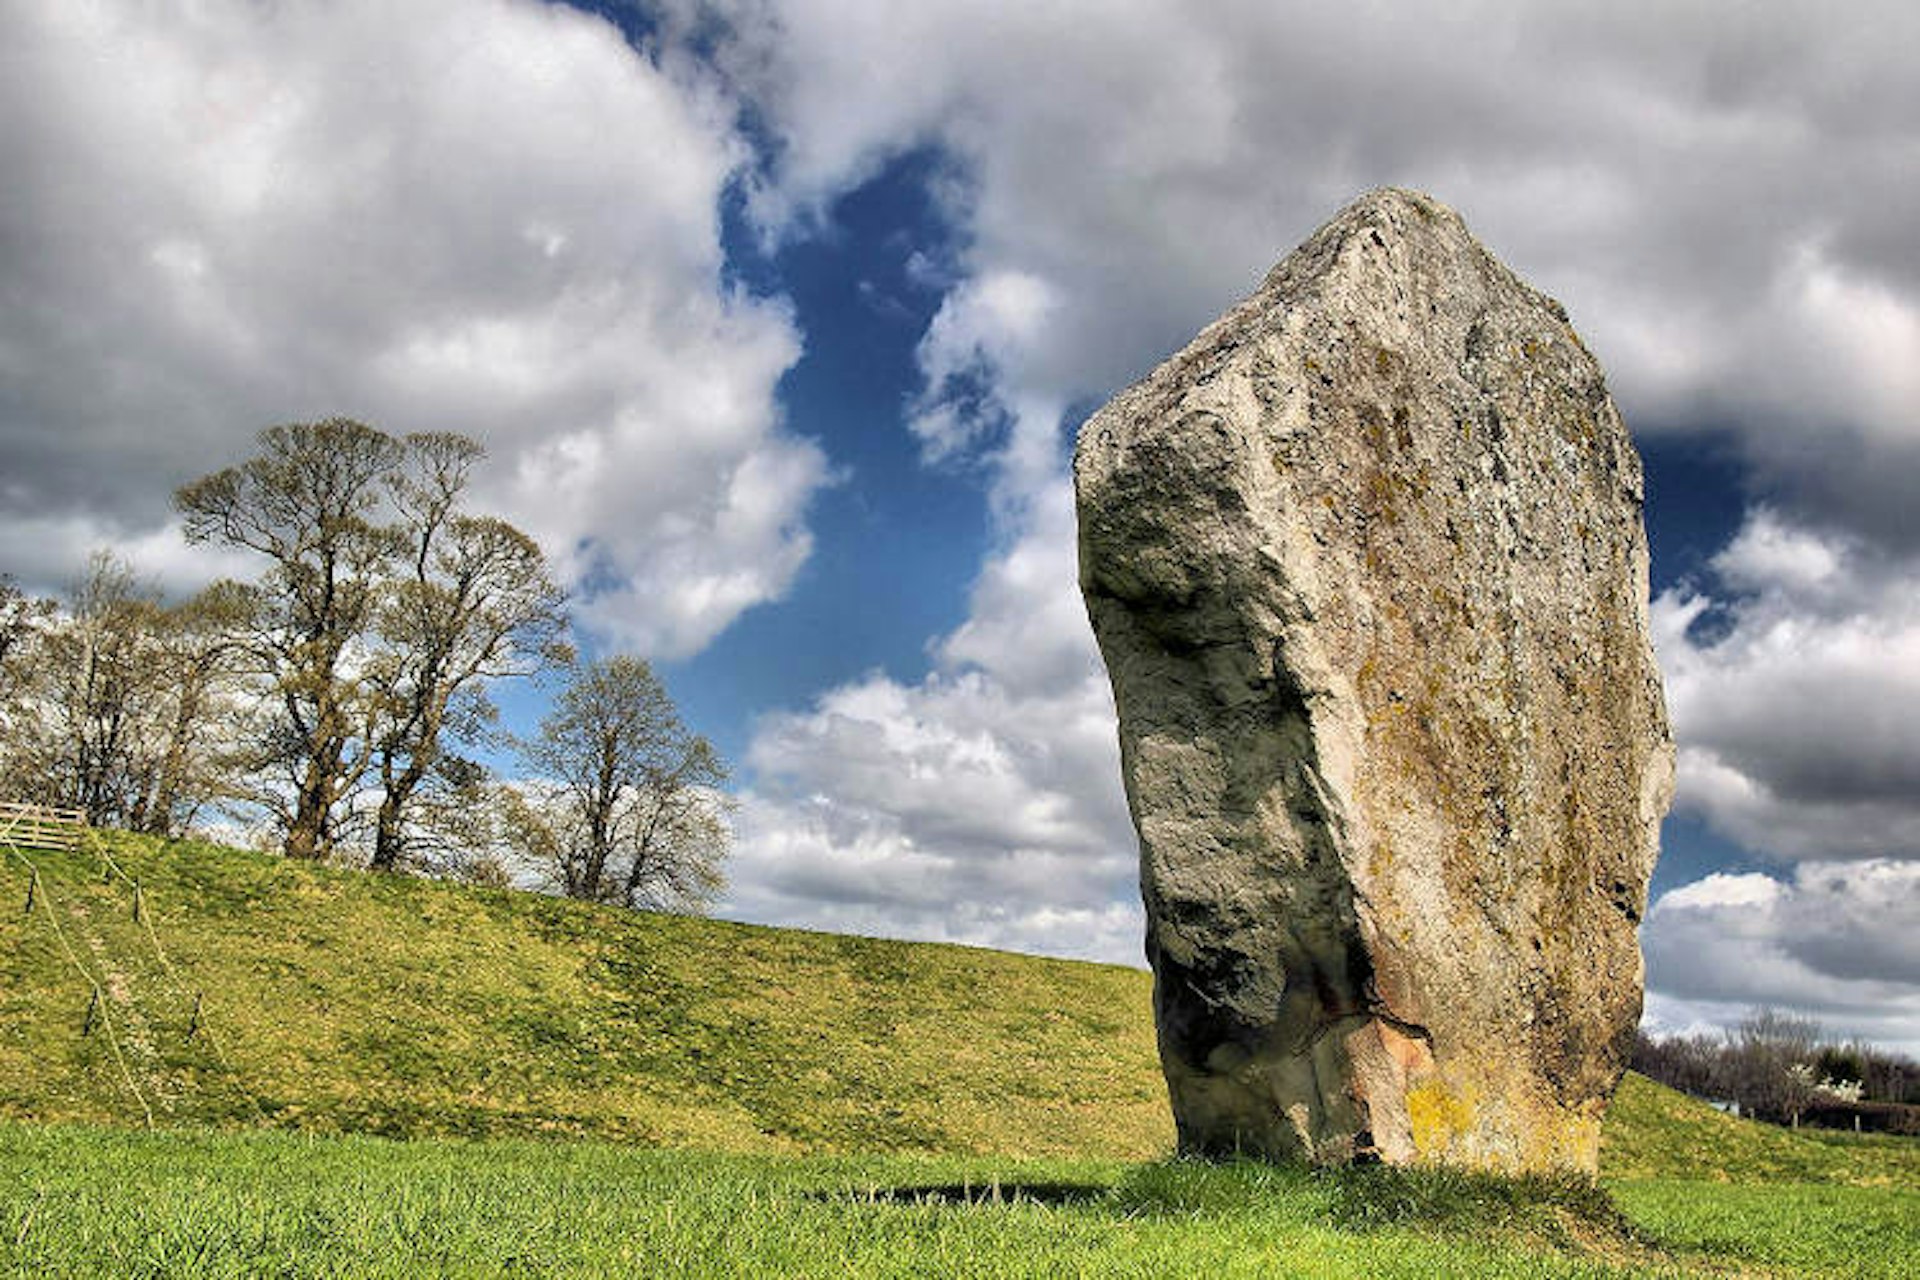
[386, 835]
[598, 843]
[396, 790]
[307, 833]
[171, 782]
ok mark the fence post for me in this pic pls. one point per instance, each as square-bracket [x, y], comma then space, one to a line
[32, 885]
[139, 904]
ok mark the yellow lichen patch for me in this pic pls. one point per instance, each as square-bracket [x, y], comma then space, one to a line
[1575, 1145]
[1379, 858]
[1438, 1117]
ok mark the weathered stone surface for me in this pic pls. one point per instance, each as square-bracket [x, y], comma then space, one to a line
[1367, 567]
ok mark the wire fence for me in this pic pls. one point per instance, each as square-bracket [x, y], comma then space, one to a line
[26, 829]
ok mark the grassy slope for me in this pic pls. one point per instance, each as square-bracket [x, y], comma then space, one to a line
[346, 1001]
[1653, 1132]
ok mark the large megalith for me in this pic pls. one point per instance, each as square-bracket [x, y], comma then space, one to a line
[1367, 568]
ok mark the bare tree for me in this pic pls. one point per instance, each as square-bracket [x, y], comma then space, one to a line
[93, 693]
[1763, 1050]
[310, 504]
[24, 624]
[474, 602]
[625, 803]
[21, 619]
[114, 700]
[1689, 1063]
[196, 656]
[24, 620]
[1891, 1076]
[1777, 1068]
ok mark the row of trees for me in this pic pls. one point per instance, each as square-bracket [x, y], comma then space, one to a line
[1782, 1068]
[105, 704]
[340, 699]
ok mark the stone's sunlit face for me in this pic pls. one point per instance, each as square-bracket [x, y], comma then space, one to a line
[777, 315]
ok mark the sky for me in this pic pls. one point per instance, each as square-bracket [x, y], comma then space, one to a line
[777, 317]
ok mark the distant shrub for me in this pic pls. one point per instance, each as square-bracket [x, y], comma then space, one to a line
[1777, 1067]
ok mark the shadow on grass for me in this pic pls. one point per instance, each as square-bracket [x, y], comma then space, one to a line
[1572, 1214]
[990, 1192]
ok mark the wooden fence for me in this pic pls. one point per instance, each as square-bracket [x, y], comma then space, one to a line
[36, 826]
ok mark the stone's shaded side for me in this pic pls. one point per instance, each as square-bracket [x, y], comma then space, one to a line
[1367, 568]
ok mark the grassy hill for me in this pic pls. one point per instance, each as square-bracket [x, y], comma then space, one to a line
[340, 1001]
[337, 1001]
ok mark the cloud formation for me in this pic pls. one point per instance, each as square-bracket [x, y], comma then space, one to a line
[489, 216]
[1692, 188]
[981, 804]
[1793, 681]
[1837, 941]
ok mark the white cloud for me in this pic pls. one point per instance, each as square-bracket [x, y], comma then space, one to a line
[1723, 890]
[1768, 554]
[1839, 942]
[812, 864]
[1693, 193]
[979, 332]
[981, 804]
[490, 216]
[1795, 714]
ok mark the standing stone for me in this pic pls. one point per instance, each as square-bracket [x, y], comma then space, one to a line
[1367, 568]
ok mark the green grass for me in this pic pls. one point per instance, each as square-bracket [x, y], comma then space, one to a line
[1799, 1228]
[83, 1200]
[90, 1201]
[1654, 1133]
[738, 1101]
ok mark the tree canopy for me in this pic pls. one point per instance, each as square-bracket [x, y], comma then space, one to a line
[384, 610]
[624, 802]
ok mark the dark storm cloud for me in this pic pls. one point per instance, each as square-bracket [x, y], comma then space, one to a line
[1796, 719]
[1837, 941]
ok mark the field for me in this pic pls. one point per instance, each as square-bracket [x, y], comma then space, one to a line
[95, 1201]
[735, 1101]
